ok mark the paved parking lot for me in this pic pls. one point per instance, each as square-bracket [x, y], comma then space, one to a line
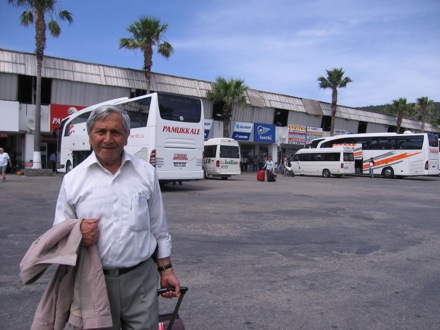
[300, 253]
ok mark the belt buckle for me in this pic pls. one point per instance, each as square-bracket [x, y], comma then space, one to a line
[112, 272]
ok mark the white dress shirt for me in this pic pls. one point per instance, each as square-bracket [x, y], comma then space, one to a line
[128, 203]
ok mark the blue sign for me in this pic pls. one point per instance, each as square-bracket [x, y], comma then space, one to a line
[208, 125]
[242, 131]
[264, 133]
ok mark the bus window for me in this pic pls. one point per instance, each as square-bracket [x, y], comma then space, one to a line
[210, 151]
[229, 152]
[178, 108]
[348, 157]
[410, 142]
[82, 118]
[141, 105]
[138, 119]
[433, 140]
[386, 143]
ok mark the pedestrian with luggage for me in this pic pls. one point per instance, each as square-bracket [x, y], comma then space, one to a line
[288, 168]
[118, 199]
[269, 167]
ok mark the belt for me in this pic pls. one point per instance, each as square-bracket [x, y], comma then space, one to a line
[120, 271]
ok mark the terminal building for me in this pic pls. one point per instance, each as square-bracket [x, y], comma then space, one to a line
[270, 124]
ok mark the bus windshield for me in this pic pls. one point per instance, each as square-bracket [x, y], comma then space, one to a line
[178, 108]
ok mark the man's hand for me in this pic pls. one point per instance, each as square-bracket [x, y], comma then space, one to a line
[168, 279]
[90, 231]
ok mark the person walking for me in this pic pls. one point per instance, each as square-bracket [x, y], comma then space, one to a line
[117, 197]
[53, 161]
[4, 160]
[371, 163]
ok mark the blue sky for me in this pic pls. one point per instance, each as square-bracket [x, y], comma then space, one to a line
[389, 48]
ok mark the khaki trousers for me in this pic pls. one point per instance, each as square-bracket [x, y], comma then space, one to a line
[133, 298]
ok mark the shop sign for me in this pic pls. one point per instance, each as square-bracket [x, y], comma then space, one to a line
[264, 133]
[313, 133]
[297, 134]
[60, 111]
[242, 131]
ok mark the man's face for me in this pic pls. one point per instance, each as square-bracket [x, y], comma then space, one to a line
[108, 139]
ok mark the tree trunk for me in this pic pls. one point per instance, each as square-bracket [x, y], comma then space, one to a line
[148, 64]
[399, 123]
[334, 109]
[226, 124]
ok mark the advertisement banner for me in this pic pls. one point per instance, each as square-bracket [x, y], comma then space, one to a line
[264, 133]
[60, 111]
[242, 131]
[313, 133]
[297, 134]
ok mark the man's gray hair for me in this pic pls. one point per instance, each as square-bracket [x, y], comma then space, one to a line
[104, 111]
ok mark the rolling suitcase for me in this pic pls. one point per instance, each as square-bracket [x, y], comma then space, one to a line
[290, 173]
[172, 321]
[261, 175]
[271, 177]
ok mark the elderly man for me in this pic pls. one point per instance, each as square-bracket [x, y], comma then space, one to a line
[118, 199]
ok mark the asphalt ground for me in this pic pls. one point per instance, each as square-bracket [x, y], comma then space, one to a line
[299, 253]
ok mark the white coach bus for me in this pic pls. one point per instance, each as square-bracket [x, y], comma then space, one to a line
[166, 130]
[338, 161]
[394, 155]
[221, 158]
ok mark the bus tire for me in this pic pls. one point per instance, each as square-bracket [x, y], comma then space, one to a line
[68, 166]
[326, 173]
[388, 173]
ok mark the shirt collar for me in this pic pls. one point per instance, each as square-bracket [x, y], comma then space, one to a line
[93, 160]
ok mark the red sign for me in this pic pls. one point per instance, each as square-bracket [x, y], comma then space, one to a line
[180, 157]
[181, 130]
[60, 111]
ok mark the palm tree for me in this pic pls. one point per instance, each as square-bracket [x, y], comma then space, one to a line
[399, 108]
[424, 109]
[36, 11]
[228, 92]
[147, 32]
[335, 79]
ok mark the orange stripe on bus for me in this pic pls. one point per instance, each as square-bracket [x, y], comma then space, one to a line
[391, 159]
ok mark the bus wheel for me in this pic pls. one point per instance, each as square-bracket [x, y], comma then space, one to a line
[224, 177]
[68, 167]
[388, 173]
[326, 173]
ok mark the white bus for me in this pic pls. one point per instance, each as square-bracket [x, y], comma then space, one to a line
[221, 158]
[166, 130]
[394, 155]
[338, 161]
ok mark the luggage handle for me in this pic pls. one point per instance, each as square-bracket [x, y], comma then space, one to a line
[183, 290]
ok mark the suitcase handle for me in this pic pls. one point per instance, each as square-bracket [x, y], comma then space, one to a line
[183, 290]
